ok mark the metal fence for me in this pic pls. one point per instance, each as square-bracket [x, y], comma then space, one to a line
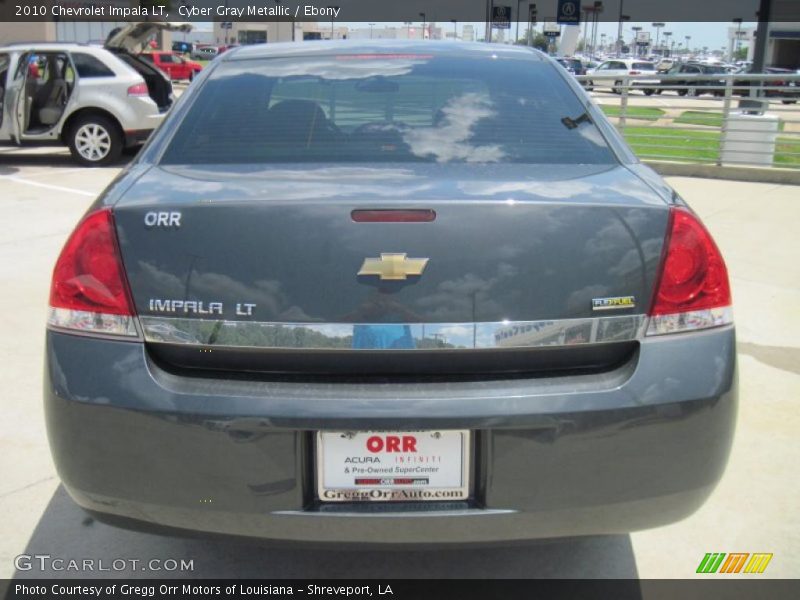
[722, 119]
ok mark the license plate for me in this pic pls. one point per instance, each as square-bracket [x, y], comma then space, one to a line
[382, 466]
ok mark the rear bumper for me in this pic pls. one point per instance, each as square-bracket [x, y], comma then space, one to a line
[638, 447]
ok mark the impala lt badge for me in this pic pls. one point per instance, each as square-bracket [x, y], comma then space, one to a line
[393, 266]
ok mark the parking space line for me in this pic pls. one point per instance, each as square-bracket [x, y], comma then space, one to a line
[48, 186]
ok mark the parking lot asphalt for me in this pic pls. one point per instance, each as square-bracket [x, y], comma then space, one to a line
[754, 509]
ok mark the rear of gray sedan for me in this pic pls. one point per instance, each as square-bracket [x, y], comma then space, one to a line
[400, 293]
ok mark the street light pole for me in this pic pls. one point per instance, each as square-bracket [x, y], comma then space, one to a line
[516, 36]
[687, 38]
[422, 14]
[278, 22]
[333, 11]
[634, 44]
[738, 22]
[371, 25]
[455, 30]
[619, 29]
[657, 27]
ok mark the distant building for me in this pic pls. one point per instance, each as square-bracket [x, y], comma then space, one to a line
[783, 45]
[468, 33]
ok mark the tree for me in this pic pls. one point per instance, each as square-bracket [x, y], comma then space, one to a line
[540, 41]
[740, 54]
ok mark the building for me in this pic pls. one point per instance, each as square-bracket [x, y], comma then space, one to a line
[783, 45]
[257, 32]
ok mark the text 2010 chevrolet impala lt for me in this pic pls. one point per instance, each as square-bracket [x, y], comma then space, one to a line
[407, 293]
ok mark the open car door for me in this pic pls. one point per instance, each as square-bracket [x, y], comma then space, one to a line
[16, 98]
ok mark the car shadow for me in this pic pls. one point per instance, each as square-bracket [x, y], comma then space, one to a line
[11, 160]
[65, 531]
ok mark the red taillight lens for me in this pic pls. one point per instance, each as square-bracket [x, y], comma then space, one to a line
[693, 276]
[140, 89]
[693, 290]
[635, 73]
[88, 275]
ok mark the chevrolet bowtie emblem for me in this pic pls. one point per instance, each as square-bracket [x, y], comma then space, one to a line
[391, 266]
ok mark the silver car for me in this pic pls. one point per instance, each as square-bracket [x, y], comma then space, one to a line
[96, 101]
[611, 74]
[391, 292]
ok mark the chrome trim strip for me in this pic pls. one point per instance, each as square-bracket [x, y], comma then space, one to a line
[417, 336]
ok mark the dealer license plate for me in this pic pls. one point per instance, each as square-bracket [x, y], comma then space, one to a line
[409, 466]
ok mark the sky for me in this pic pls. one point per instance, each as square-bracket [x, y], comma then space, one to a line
[713, 35]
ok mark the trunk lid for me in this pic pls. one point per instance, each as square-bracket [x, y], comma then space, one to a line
[278, 245]
[132, 36]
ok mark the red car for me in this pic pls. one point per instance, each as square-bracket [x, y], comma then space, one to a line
[173, 64]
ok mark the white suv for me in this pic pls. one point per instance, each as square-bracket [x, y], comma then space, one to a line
[612, 72]
[95, 100]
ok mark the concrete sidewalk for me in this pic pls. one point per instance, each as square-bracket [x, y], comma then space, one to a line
[753, 510]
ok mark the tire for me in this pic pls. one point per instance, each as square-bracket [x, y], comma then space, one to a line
[95, 140]
[692, 92]
[191, 76]
[616, 88]
[590, 86]
[649, 92]
[788, 101]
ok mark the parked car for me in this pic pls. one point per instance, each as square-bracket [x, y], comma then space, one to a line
[785, 86]
[183, 47]
[665, 64]
[606, 75]
[204, 53]
[572, 65]
[95, 100]
[173, 64]
[702, 79]
[369, 292]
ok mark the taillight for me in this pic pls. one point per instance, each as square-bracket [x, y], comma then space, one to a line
[140, 89]
[693, 291]
[635, 73]
[89, 291]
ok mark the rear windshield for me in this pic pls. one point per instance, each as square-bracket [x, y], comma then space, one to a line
[644, 66]
[386, 108]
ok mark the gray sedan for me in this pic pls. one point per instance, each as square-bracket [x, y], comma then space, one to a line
[396, 292]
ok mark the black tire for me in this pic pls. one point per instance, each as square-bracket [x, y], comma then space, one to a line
[191, 76]
[95, 140]
[616, 89]
[590, 86]
[789, 101]
[649, 92]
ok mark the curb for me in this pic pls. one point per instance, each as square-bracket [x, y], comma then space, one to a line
[732, 173]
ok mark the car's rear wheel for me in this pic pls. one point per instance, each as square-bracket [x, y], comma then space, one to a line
[95, 140]
[649, 92]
